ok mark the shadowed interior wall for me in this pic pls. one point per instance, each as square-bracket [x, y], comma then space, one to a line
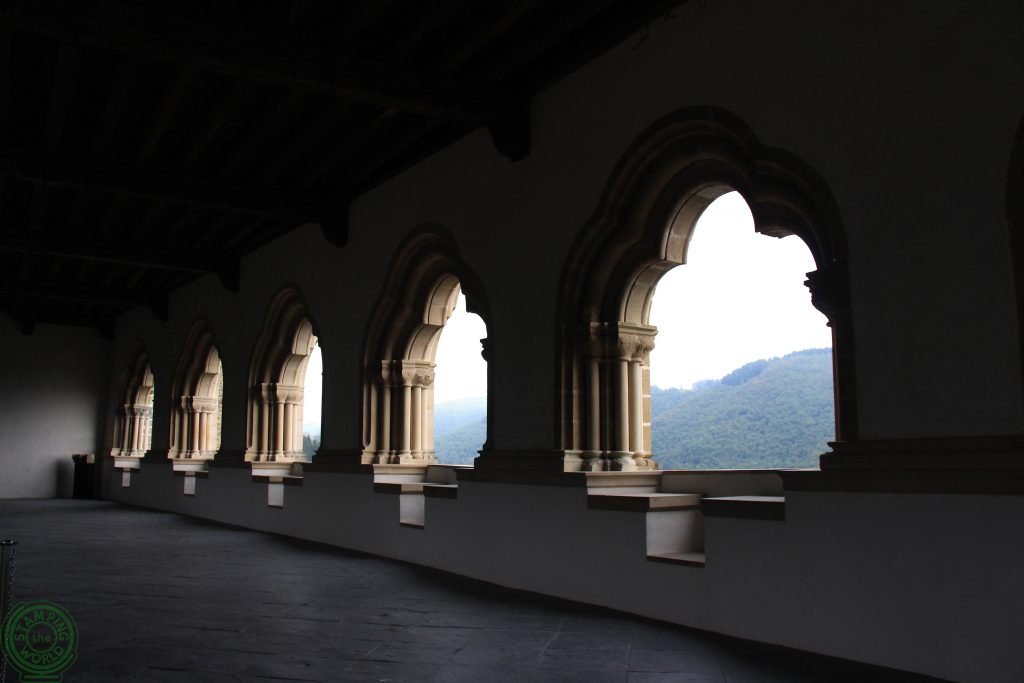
[52, 404]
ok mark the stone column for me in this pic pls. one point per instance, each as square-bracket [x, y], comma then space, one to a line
[635, 343]
[406, 434]
[263, 435]
[147, 429]
[423, 386]
[636, 409]
[278, 424]
[594, 405]
[621, 383]
[417, 421]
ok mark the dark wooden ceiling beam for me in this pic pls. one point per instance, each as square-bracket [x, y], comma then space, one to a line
[163, 260]
[414, 38]
[143, 32]
[360, 17]
[5, 83]
[115, 104]
[168, 106]
[552, 31]
[65, 72]
[212, 125]
[106, 295]
[368, 128]
[489, 29]
[28, 317]
[312, 137]
[149, 184]
[254, 140]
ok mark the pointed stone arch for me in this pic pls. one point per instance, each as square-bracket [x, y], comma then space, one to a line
[420, 293]
[197, 397]
[133, 416]
[642, 229]
[277, 380]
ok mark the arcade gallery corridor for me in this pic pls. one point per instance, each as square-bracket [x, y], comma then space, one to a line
[163, 597]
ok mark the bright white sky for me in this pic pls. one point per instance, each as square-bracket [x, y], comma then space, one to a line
[739, 297]
[461, 371]
[313, 392]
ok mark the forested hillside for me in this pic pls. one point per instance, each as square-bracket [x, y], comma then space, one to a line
[769, 413]
[774, 412]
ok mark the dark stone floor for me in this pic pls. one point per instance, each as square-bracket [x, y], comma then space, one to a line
[160, 597]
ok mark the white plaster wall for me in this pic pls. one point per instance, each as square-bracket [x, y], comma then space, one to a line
[53, 400]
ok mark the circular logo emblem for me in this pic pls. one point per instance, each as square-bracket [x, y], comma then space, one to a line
[40, 640]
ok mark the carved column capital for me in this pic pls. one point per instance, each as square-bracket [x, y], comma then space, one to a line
[830, 289]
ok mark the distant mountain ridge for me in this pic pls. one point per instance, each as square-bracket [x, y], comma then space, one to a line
[776, 412]
[772, 412]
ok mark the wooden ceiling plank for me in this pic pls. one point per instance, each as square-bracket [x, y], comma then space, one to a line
[545, 37]
[298, 10]
[310, 138]
[99, 253]
[212, 125]
[115, 104]
[367, 127]
[487, 30]
[110, 217]
[150, 184]
[119, 297]
[423, 29]
[65, 72]
[168, 106]
[254, 140]
[364, 15]
[5, 84]
[143, 32]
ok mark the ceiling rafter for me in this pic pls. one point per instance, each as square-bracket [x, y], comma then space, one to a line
[369, 126]
[150, 184]
[537, 42]
[252, 142]
[64, 79]
[5, 83]
[145, 33]
[115, 103]
[163, 260]
[112, 296]
[486, 31]
[212, 125]
[168, 106]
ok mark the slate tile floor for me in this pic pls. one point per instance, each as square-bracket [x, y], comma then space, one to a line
[160, 597]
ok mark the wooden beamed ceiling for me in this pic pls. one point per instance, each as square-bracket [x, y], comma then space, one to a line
[144, 144]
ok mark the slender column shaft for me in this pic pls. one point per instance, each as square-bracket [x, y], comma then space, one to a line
[417, 419]
[636, 407]
[279, 426]
[205, 431]
[428, 419]
[406, 418]
[263, 442]
[131, 430]
[621, 404]
[372, 432]
[594, 405]
[385, 418]
[193, 419]
[289, 427]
